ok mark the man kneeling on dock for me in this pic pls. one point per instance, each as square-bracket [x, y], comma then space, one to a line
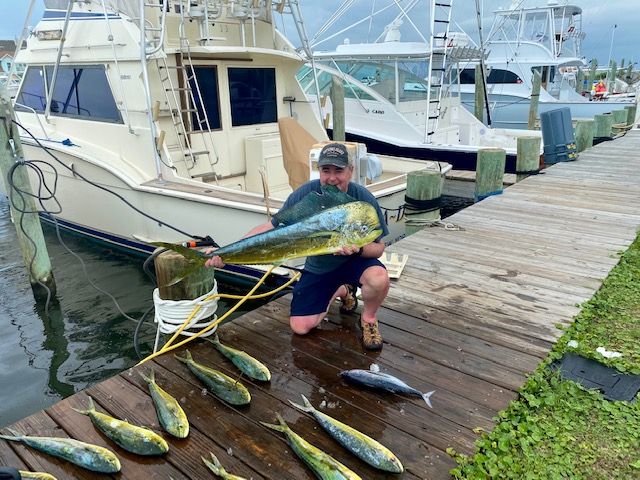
[328, 277]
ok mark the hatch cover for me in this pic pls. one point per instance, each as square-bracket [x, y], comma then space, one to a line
[613, 384]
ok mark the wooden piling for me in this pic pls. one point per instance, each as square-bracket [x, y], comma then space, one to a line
[631, 113]
[337, 101]
[603, 124]
[535, 100]
[619, 121]
[489, 172]
[584, 132]
[479, 94]
[424, 191]
[23, 206]
[169, 265]
[528, 157]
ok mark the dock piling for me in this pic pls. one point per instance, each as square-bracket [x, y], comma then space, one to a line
[490, 172]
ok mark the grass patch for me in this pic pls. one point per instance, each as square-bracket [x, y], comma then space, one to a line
[556, 429]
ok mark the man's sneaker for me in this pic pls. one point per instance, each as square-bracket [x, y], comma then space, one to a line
[371, 338]
[349, 301]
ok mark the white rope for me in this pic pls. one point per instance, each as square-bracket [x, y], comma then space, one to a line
[171, 314]
[435, 222]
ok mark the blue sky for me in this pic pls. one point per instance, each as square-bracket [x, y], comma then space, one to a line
[599, 18]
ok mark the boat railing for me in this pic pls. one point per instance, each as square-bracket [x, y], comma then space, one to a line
[35, 115]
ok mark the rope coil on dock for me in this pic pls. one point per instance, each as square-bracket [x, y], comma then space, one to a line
[171, 314]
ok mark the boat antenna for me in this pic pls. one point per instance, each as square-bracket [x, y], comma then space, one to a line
[484, 76]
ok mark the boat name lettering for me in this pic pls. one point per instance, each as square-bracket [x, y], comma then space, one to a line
[125, 77]
[381, 112]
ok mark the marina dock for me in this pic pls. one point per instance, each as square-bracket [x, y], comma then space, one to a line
[475, 310]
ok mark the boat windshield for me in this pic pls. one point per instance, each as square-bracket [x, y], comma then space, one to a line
[79, 91]
[379, 76]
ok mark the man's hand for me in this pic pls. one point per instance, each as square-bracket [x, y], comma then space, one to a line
[348, 250]
[214, 261]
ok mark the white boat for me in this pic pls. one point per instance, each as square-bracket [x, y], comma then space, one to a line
[525, 38]
[392, 100]
[162, 120]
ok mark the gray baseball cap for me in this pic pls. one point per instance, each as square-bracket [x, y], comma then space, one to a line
[334, 154]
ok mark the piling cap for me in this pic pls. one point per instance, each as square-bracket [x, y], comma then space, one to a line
[334, 154]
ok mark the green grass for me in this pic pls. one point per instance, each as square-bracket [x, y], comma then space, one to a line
[556, 429]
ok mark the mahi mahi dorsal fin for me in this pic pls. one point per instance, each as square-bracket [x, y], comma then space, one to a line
[313, 203]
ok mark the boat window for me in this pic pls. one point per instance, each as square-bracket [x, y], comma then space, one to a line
[79, 91]
[304, 76]
[497, 75]
[253, 96]
[207, 101]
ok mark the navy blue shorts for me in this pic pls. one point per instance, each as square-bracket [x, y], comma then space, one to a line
[313, 292]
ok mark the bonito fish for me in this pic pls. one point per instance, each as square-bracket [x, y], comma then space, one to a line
[138, 440]
[383, 381]
[85, 455]
[245, 362]
[170, 413]
[216, 467]
[323, 465]
[221, 385]
[364, 447]
[319, 224]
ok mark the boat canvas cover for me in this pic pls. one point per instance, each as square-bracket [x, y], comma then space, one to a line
[296, 144]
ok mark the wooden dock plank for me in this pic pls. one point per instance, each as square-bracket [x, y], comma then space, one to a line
[473, 313]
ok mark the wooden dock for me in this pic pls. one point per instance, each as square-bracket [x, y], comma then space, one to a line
[474, 311]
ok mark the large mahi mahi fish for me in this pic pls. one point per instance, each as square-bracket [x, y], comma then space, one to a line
[318, 224]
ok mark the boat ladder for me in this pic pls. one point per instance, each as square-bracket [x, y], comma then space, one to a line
[439, 44]
[188, 115]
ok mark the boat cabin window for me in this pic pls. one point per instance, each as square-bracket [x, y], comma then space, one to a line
[253, 96]
[79, 91]
[207, 101]
[547, 72]
[496, 75]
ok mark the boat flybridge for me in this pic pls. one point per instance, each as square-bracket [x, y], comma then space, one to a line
[167, 120]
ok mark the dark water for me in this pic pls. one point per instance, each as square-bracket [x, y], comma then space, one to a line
[451, 205]
[83, 338]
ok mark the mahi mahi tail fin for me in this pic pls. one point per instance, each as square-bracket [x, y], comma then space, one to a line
[187, 357]
[307, 407]
[92, 408]
[425, 397]
[283, 427]
[215, 466]
[195, 260]
[149, 379]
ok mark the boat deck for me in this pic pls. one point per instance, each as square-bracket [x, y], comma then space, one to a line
[474, 311]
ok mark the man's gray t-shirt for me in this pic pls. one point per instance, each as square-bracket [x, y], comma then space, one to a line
[326, 263]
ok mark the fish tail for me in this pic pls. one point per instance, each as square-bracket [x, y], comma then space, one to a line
[426, 396]
[307, 407]
[15, 435]
[188, 358]
[283, 427]
[150, 379]
[215, 466]
[92, 408]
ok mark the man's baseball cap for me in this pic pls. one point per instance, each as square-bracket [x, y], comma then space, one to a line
[334, 154]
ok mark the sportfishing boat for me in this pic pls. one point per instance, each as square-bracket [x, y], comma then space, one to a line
[172, 120]
[394, 97]
[523, 39]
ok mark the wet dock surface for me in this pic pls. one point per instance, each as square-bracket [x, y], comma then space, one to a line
[475, 310]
